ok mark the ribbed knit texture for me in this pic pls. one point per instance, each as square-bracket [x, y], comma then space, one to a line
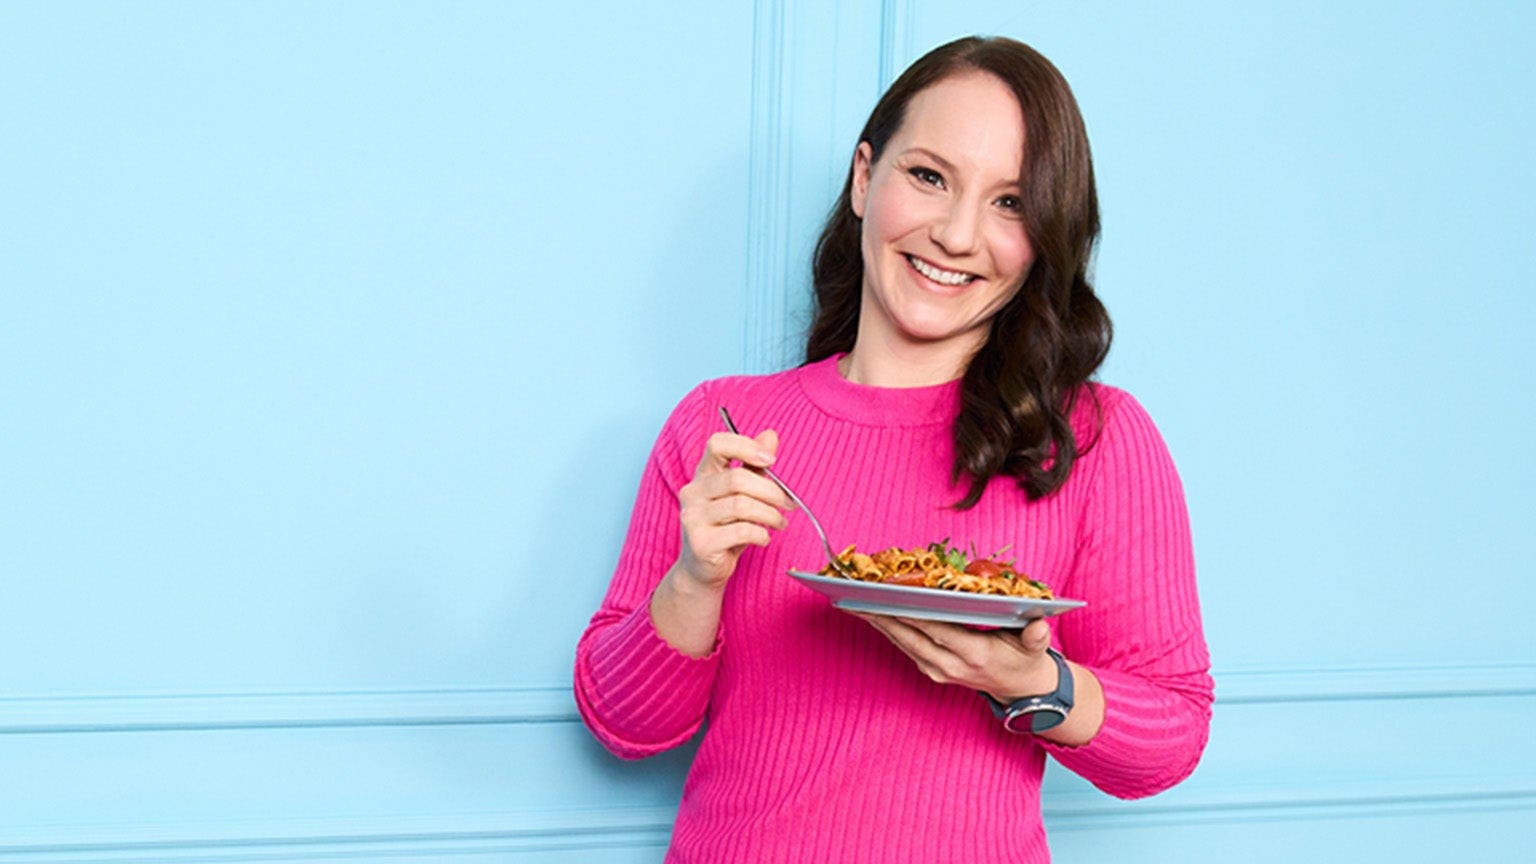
[824, 742]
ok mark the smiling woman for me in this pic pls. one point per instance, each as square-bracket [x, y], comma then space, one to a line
[946, 393]
[942, 225]
[1024, 152]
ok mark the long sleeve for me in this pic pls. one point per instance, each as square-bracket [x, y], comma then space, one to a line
[637, 694]
[1140, 633]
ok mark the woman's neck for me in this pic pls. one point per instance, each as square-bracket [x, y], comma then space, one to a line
[898, 363]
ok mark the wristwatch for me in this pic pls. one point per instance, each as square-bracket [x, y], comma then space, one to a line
[1038, 713]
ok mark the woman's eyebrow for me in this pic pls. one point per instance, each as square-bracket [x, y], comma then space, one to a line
[949, 167]
[924, 151]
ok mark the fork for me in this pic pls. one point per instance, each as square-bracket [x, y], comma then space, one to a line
[837, 565]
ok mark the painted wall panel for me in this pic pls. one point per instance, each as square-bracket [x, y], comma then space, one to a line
[322, 322]
[332, 340]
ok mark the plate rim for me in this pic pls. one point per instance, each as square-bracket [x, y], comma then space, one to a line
[1004, 605]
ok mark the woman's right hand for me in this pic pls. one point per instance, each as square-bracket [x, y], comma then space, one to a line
[727, 507]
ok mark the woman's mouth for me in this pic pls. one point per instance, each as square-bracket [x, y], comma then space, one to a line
[938, 274]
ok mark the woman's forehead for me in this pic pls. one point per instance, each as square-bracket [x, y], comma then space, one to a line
[972, 120]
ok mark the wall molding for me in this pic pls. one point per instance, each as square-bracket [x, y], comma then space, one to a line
[1260, 686]
[896, 38]
[530, 831]
[370, 837]
[1381, 797]
[768, 188]
[167, 712]
[151, 712]
[815, 74]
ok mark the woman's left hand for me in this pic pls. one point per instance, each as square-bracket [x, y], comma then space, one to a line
[1008, 664]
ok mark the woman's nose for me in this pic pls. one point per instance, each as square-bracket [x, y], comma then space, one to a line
[958, 230]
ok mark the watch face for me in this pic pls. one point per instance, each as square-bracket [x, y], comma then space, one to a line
[1035, 718]
[1038, 713]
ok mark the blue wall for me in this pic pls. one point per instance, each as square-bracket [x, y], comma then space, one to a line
[332, 340]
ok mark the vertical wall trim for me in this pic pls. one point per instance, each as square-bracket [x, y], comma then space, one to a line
[814, 72]
[767, 190]
[895, 39]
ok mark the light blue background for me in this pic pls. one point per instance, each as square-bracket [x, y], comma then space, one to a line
[332, 339]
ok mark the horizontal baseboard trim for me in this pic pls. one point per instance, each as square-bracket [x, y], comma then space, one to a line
[370, 837]
[1264, 686]
[650, 827]
[150, 712]
[1398, 797]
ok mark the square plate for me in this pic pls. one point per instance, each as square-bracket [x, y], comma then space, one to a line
[933, 604]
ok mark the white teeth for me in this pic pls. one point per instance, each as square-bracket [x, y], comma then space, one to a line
[945, 277]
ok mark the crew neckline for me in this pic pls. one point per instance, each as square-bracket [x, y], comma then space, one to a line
[825, 386]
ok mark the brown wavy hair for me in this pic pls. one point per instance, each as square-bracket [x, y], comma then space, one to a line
[1020, 388]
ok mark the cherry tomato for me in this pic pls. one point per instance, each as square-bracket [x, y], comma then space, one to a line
[985, 568]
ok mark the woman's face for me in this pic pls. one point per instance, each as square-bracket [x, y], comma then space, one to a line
[943, 236]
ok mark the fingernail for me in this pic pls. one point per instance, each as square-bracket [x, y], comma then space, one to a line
[765, 457]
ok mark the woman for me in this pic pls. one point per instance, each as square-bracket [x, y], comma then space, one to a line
[945, 395]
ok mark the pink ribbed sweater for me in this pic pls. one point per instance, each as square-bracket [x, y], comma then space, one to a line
[824, 742]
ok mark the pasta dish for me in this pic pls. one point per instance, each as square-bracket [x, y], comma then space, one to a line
[939, 565]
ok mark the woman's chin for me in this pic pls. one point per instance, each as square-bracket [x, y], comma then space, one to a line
[937, 334]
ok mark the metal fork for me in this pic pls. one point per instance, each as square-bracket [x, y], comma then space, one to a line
[837, 565]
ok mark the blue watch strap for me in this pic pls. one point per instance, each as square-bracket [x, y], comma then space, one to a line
[1045, 711]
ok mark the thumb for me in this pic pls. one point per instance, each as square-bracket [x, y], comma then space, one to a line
[1036, 636]
[769, 441]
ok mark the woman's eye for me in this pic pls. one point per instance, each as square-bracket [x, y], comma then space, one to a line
[1011, 203]
[927, 175]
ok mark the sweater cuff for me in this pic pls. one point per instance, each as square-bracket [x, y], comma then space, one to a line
[1142, 747]
[649, 695]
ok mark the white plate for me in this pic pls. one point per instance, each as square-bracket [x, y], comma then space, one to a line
[933, 604]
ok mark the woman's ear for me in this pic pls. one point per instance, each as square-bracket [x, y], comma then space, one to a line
[862, 157]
